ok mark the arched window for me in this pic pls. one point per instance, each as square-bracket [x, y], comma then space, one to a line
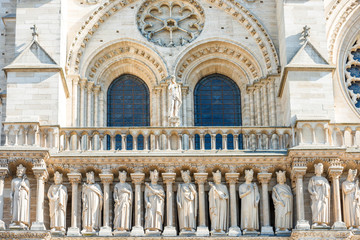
[217, 102]
[128, 102]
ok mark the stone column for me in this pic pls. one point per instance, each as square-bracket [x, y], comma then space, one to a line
[83, 82]
[3, 172]
[258, 105]
[101, 109]
[75, 179]
[89, 103]
[41, 175]
[252, 106]
[106, 179]
[202, 229]
[266, 103]
[264, 179]
[169, 230]
[231, 179]
[335, 172]
[75, 106]
[272, 102]
[138, 229]
[298, 173]
[163, 105]
[96, 90]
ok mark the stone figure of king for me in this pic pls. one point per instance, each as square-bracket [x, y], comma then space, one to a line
[218, 205]
[58, 198]
[186, 200]
[92, 198]
[351, 200]
[20, 200]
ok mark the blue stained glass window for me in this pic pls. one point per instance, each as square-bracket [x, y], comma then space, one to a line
[217, 102]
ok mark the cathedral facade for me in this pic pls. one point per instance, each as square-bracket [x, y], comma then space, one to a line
[180, 119]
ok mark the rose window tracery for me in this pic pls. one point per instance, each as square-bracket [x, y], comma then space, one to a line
[170, 23]
[352, 73]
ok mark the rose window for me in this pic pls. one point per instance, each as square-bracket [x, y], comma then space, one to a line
[170, 23]
[352, 73]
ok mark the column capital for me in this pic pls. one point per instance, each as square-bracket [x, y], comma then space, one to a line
[96, 89]
[89, 86]
[200, 178]
[232, 178]
[264, 177]
[3, 171]
[75, 79]
[335, 171]
[298, 171]
[74, 177]
[168, 178]
[83, 82]
[106, 178]
[137, 178]
[40, 173]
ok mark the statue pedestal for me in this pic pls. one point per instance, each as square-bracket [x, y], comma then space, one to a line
[169, 231]
[57, 233]
[339, 226]
[89, 234]
[321, 227]
[118, 233]
[150, 233]
[234, 232]
[218, 234]
[302, 225]
[283, 233]
[187, 233]
[137, 232]
[37, 226]
[250, 232]
[174, 121]
[14, 226]
[202, 231]
[2, 225]
[105, 231]
[73, 232]
[267, 231]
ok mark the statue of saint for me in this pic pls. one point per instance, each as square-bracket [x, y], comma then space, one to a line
[92, 198]
[123, 196]
[283, 202]
[186, 199]
[174, 90]
[218, 205]
[351, 200]
[319, 189]
[250, 197]
[154, 196]
[58, 198]
[20, 200]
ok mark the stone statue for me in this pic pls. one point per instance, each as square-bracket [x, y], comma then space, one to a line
[250, 197]
[58, 198]
[154, 196]
[174, 90]
[20, 200]
[186, 200]
[283, 202]
[123, 196]
[92, 198]
[319, 189]
[351, 200]
[218, 205]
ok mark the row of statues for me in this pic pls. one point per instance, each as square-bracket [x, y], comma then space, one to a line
[187, 203]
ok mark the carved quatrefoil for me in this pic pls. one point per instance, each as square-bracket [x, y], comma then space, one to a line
[170, 23]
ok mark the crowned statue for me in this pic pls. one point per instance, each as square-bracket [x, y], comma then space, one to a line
[218, 205]
[319, 189]
[20, 200]
[123, 197]
[186, 200]
[250, 197]
[154, 196]
[58, 198]
[351, 201]
[92, 198]
[283, 203]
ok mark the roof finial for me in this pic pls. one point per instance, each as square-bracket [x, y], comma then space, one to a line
[34, 33]
[305, 34]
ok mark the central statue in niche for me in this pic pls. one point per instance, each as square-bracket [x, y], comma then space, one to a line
[154, 197]
[175, 97]
[92, 198]
[218, 205]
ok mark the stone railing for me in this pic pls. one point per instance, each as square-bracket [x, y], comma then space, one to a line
[174, 138]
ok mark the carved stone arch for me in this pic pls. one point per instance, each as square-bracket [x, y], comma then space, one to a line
[235, 9]
[114, 53]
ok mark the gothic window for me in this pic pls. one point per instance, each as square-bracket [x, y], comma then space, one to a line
[352, 73]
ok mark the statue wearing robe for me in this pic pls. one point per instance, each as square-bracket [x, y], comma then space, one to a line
[351, 200]
[123, 196]
[174, 90]
[283, 202]
[218, 205]
[154, 196]
[20, 202]
[58, 198]
[250, 197]
[319, 189]
[186, 199]
[92, 198]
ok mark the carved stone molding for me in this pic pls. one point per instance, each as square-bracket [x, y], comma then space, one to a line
[137, 178]
[168, 178]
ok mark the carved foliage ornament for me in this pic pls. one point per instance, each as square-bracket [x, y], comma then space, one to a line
[170, 23]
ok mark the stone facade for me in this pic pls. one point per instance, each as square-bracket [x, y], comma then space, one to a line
[296, 65]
